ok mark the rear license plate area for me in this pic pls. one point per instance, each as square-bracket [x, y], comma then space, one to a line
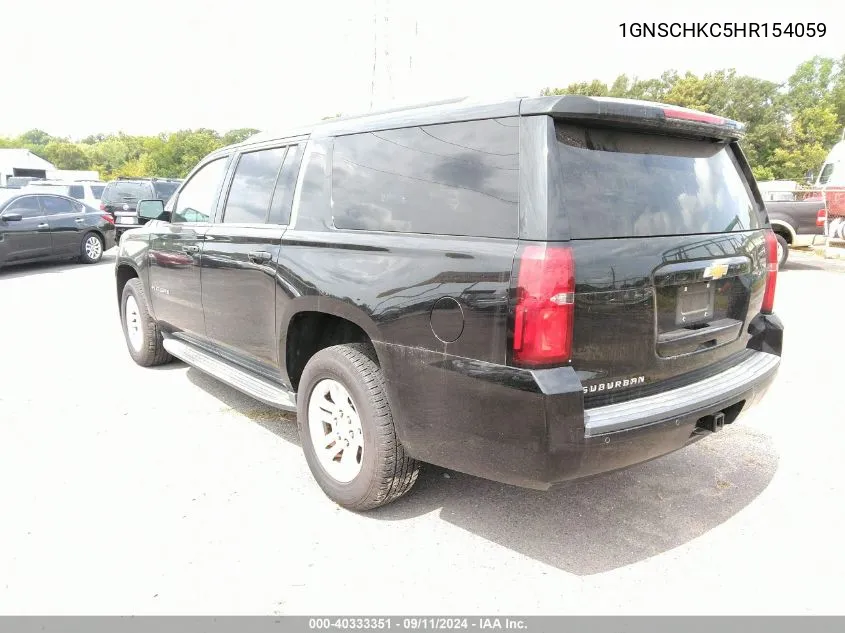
[694, 304]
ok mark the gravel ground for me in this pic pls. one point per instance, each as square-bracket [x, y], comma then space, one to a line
[136, 491]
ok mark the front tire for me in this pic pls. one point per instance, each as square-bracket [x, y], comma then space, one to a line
[143, 337]
[783, 250]
[347, 430]
[92, 249]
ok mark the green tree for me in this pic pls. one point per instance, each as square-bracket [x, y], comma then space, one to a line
[238, 136]
[66, 155]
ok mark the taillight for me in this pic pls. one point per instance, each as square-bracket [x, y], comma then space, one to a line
[107, 218]
[821, 216]
[545, 305]
[692, 115]
[771, 272]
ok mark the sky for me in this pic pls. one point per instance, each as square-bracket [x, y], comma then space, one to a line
[149, 66]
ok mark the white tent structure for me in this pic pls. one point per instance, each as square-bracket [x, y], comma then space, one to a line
[22, 162]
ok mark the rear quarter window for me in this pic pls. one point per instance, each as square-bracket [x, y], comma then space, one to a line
[450, 179]
[627, 184]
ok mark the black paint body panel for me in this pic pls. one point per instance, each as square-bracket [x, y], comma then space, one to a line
[438, 308]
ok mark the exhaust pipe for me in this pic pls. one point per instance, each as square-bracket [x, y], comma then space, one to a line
[712, 423]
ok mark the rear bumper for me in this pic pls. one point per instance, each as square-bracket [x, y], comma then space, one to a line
[530, 428]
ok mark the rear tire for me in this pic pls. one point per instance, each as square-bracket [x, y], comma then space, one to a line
[350, 444]
[92, 248]
[783, 250]
[142, 334]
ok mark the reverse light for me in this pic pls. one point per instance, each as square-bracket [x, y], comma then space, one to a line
[545, 306]
[692, 115]
[771, 272]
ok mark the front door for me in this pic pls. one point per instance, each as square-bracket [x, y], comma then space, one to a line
[240, 254]
[176, 248]
[28, 238]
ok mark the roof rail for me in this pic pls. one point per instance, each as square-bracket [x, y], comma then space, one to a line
[410, 106]
[304, 129]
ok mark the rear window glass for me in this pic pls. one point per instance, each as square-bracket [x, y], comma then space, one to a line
[128, 191]
[97, 190]
[627, 184]
[165, 189]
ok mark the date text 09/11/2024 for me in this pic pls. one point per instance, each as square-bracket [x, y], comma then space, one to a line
[417, 623]
[722, 29]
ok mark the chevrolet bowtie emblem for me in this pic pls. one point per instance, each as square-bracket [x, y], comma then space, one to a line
[716, 270]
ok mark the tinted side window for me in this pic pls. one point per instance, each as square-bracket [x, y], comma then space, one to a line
[97, 190]
[53, 205]
[196, 200]
[252, 186]
[453, 178]
[28, 207]
[283, 195]
[76, 191]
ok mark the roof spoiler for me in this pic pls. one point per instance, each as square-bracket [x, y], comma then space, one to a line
[641, 114]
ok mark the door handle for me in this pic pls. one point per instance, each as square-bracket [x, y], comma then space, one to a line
[43, 226]
[191, 248]
[259, 257]
[79, 220]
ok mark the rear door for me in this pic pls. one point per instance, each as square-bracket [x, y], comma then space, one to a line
[240, 254]
[67, 221]
[669, 255]
[28, 238]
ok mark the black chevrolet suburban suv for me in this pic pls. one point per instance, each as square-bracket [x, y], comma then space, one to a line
[530, 291]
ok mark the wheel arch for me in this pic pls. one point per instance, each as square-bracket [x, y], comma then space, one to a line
[124, 272]
[785, 229]
[314, 323]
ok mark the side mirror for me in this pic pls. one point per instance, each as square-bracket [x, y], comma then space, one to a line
[152, 210]
[11, 217]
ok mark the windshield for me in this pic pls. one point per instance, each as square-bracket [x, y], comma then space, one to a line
[617, 183]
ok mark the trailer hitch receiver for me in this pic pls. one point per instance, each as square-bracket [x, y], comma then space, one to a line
[712, 423]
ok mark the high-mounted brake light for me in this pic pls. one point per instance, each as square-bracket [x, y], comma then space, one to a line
[545, 306]
[691, 115]
[821, 216]
[771, 272]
